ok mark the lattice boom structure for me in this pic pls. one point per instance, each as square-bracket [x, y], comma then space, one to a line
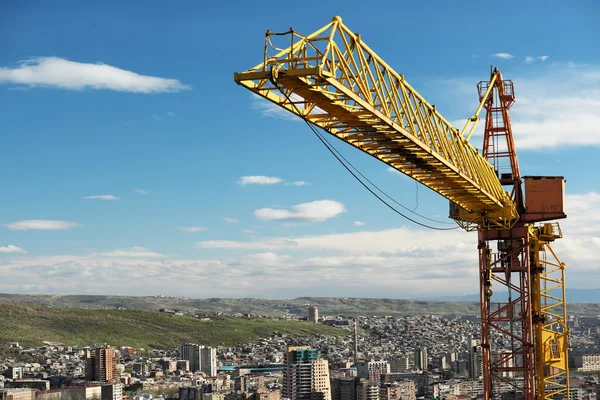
[335, 81]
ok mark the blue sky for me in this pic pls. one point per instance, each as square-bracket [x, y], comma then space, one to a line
[137, 104]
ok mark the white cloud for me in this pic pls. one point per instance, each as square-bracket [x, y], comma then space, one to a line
[231, 220]
[41, 224]
[505, 56]
[299, 183]
[133, 252]
[269, 109]
[102, 197]
[315, 211]
[12, 249]
[530, 59]
[366, 272]
[581, 239]
[544, 114]
[259, 180]
[358, 223]
[170, 114]
[249, 231]
[71, 75]
[142, 191]
[192, 228]
[406, 262]
[390, 241]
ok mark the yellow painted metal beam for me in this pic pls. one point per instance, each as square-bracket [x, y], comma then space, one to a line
[474, 120]
[334, 80]
[550, 315]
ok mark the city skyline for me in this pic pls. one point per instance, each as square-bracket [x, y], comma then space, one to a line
[131, 155]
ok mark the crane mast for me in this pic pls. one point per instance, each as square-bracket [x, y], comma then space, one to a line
[333, 80]
[513, 265]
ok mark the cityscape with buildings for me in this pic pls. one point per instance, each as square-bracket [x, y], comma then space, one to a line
[378, 358]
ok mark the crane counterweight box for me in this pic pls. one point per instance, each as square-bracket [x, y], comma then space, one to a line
[544, 198]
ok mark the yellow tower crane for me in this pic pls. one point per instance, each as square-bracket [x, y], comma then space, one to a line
[334, 81]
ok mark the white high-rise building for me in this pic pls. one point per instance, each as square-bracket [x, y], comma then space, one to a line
[313, 314]
[475, 359]
[421, 359]
[201, 358]
[208, 360]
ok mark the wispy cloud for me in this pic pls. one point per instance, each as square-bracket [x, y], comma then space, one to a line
[170, 114]
[268, 109]
[505, 56]
[531, 60]
[249, 231]
[71, 75]
[157, 117]
[102, 197]
[192, 228]
[414, 242]
[41, 224]
[137, 252]
[267, 180]
[259, 180]
[142, 191]
[231, 220]
[12, 249]
[315, 211]
[358, 223]
[543, 112]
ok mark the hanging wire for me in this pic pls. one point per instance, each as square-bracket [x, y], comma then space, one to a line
[349, 168]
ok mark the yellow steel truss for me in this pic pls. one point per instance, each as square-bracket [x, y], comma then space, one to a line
[550, 315]
[333, 80]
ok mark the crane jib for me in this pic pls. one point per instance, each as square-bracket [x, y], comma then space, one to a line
[333, 80]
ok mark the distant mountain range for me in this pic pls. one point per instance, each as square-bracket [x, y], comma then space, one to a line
[574, 296]
[582, 302]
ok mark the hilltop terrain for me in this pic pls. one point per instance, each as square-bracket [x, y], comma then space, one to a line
[31, 325]
[298, 306]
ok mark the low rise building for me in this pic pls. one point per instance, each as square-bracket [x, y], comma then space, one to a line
[82, 393]
[183, 365]
[372, 370]
[14, 372]
[587, 362]
[49, 395]
[140, 368]
[398, 391]
[17, 394]
[37, 384]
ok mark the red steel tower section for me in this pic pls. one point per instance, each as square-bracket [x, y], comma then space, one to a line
[504, 258]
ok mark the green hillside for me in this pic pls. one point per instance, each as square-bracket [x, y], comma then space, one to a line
[31, 325]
